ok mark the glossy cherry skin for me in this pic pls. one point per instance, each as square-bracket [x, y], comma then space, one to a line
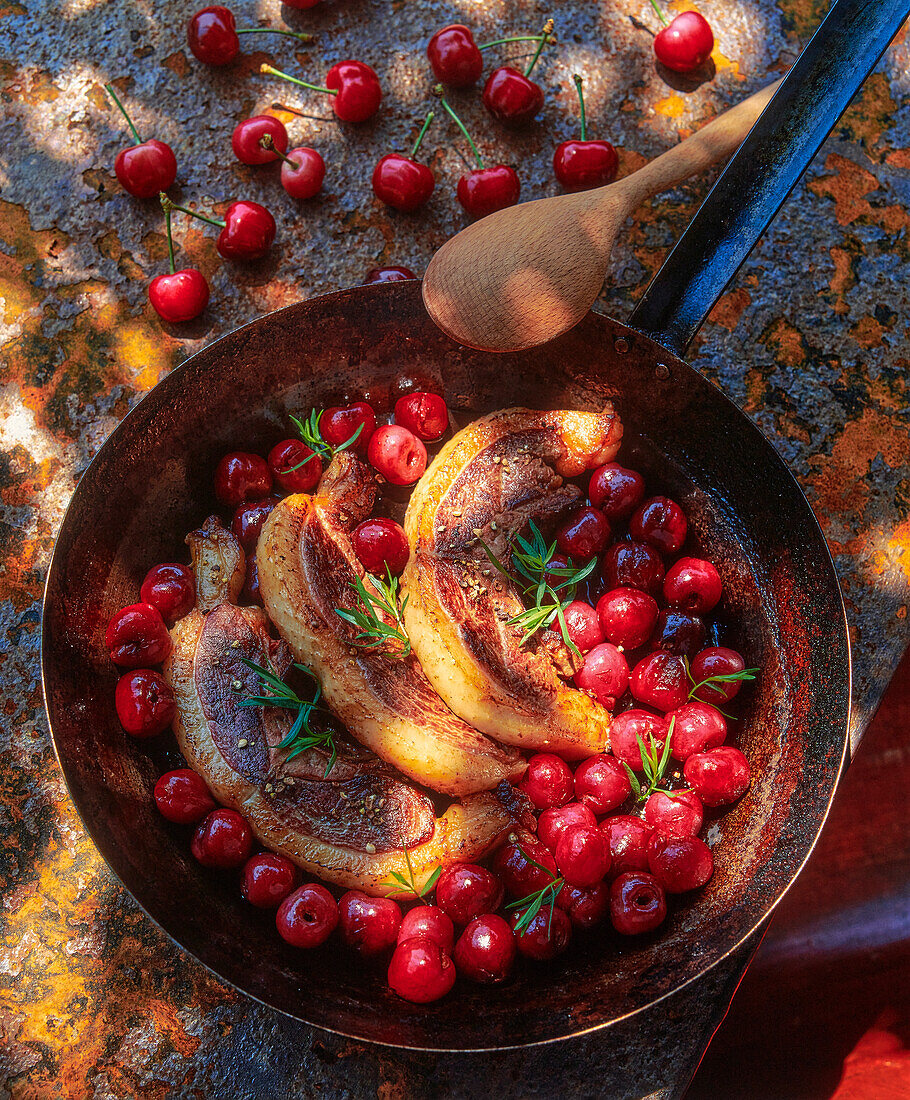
[248, 232]
[379, 544]
[679, 815]
[425, 414]
[716, 661]
[369, 925]
[397, 454]
[486, 190]
[295, 466]
[455, 57]
[307, 917]
[546, 936]
[718, 777]
[511, 97]
[136, 636]
[586, 907]
[246, 525]
[615, 490]
[179, 296]
[465, 891]
[680, 863]
[420, 971]
[518, 876]
[604, 674]
[212, 36]
[144, 702]
[659, 680]
[697, 727]
[267, 880]
[389, 275]
[251, 593]
[182, 797]
[582, 855]
[146, 169]
[637, 903]
[585, 533]
[553, 823]
[304, 178]
[359, 91]
[222, 839]
[693, 584]
[242, 476]
[627, 616]
[601, 783]
[583, 625]
[402, 183]
[678, 632]
[633, 565]
[485, 950]
[686, 44]
[580, 165]
[627, 727]
[339, 423]
[627, 838]
[171, 588]
[661, 523]
[246, 140]
[428, 922]
[548, 781]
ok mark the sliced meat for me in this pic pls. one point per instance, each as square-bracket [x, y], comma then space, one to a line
[218, 562]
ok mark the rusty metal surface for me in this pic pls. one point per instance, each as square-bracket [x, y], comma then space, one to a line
[811, 341]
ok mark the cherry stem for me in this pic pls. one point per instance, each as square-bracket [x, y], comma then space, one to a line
[307, 38]
[544, 38]
[658, 12]
[109, 88]
[581, 104]
[170, 205]
[266, 142]
[170, 239]
[423, 130]
[293, 79]
[438, 91]
[516, 38]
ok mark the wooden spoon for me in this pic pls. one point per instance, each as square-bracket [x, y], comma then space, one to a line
[526, 274]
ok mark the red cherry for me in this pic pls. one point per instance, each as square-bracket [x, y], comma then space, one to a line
[582, 855]
[369, 925]
[307, 917]
[678, 633]
[661, 523]
[465, 891]
[250, 593]
[246, 526]
[686, 44]
[223, 839]
[586, 907]
[241, 476]
[171, 588]
[627, 838]
[420, 971]
[338, 424]
[637, 903]
[381, 544]
[247, 143]
[180, 295]
[145, 703]
[267, 880]
[358, 91]
[402, 183]
[146, 169]
[455, 57]
[553, 823]
[212, 36]
[546, 936]
[585, 533]
[511, 97]
[680, 863]
[485, 950]
[627, 616]
[628, 727]
[518, 875]
[580, 165]
[601, 782]
[136, 636]
[548, 781]
[486, 190]
[615, 490]
[604, 674]
[697, 727]
[583, 625]
[716, 661]
[428, 922]
[693, 584]
[302, 172]
[249, 230]
[633, 565]
[660, 681]
[295, 466]
[678, 815]
[182, 797]
[425, 414]
[389, 275]
[397, 454]
[718, 777]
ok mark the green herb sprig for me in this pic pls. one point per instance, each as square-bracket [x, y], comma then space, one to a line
[310, 432]
[407, 884]
[371, 618]
[654, 762]
[546, 895]
[711, 682]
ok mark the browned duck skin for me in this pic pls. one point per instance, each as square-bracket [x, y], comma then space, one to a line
[486, 485]
[307, 566]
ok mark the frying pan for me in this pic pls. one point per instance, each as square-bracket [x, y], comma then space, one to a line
[151, 482]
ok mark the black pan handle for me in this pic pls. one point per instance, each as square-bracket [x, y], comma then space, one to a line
[762, 172]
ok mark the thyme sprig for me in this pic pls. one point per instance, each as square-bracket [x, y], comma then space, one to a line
[310, 432]
[371, 618]
[654, 762]
[711, 682]
[407, 884]
[302, 735]
[546, 895]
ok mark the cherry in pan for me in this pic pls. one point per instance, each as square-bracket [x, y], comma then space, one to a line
[585, 163]
[354, 87]
[147, 167]
[213, 35]
[485, 190]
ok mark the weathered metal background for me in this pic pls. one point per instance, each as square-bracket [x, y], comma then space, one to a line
[811, 341]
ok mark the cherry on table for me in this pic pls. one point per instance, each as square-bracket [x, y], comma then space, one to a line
[553, 823]
[339, 423]
[267, 880]
[627, 838]
[584, 533]
[425, 414]
[679, 814]
[247, 232]
[247, 521]
[455, 57]
[546, 936]
[719, 776]
[685, 44]
[628, 727]
[660, 681]
[661, 523]
[627, 616]
[295, 466]
[147, 167]
[633, 565]
[182, 797]
[389, 275]
[637, 903]
[145, 703]
[302, 172]
[171, 588]
[485, 950]
[307, 917]
[179, 295]
[604, 674]
[601, 783]
[680, 863]
[510, 95]
[615, 490]
[583, 625]
[580, 165]
[137, 636]
[369, 925]
[548, 781]
[420, 971]
[241, 476]
[403, 182]
[397, 454]
[381, 544]
[354, 87]
[248, 142]
[697, 727]
[429, 922]
[222, 839]
[213, 36]
[679, 633]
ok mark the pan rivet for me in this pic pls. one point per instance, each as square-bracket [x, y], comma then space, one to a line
[621, 345]
[662, 371]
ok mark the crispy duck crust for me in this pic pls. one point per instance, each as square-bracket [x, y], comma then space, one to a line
[306, 568]
[485, 485]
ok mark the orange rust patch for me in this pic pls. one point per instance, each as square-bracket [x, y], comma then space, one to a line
[848, 188]
[867, 332]
[897, 549]
[871, 114]
[177, 63]
[671, 107]
[843, 279]
[786, 341]
[729, 308]
[899, 158]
